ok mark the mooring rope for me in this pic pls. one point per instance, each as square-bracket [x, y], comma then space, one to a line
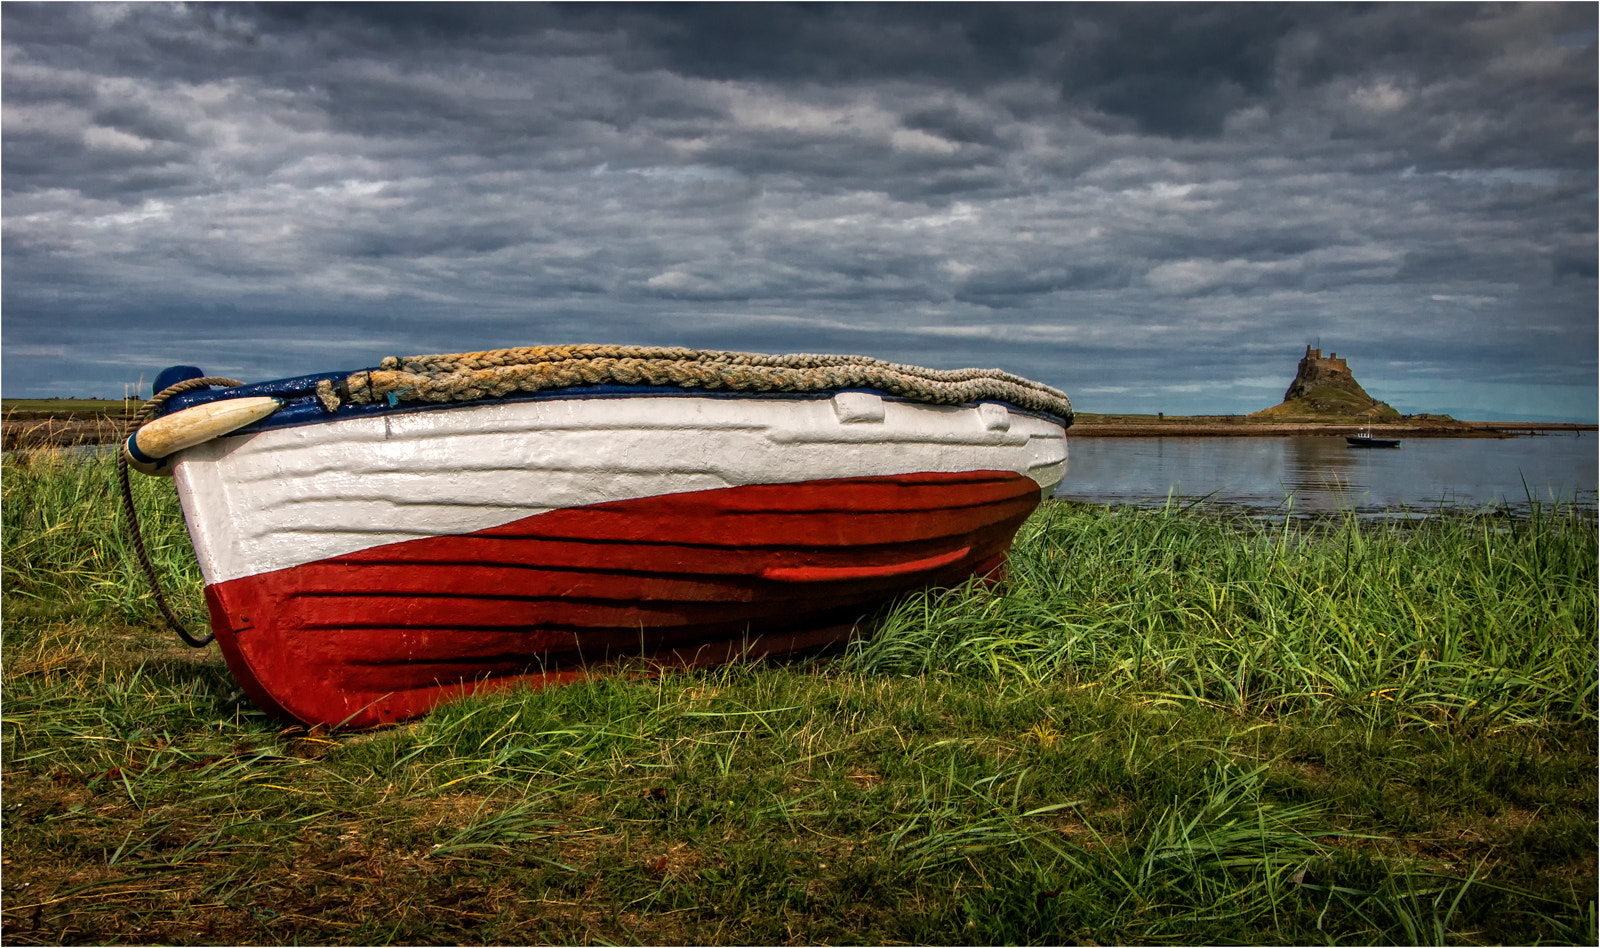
[131, 516]
[473, 375]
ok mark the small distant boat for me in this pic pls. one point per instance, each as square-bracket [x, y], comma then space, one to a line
[1364, 439]
[377, 542]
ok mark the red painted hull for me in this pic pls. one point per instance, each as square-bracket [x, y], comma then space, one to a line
[388, 633]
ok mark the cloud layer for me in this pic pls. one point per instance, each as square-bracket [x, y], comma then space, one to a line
[1152, 207]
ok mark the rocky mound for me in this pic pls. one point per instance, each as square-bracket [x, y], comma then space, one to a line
[1325, 388]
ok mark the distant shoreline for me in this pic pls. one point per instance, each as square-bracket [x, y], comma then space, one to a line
[1242, 426]
[43, 423]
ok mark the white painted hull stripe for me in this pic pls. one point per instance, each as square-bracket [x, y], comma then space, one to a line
[290, 496]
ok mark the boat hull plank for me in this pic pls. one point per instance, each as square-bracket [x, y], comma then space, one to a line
[383, 634]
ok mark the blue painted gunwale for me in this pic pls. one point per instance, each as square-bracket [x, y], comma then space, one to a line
[302, 408]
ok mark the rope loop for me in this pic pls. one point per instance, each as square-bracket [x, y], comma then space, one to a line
[131, 516]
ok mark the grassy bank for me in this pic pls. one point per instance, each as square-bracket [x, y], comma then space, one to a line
[1164, 726]
[61, 422]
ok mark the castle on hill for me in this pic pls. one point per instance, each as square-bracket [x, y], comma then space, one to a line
[1324, 387]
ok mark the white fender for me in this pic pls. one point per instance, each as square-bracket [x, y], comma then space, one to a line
[148, 448]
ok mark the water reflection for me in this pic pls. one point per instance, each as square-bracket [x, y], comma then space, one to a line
[1324, 474]
[1314, 467]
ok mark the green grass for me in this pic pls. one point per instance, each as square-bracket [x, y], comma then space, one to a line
[1164, 726]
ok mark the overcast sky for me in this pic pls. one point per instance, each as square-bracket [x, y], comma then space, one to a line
[1154, 208]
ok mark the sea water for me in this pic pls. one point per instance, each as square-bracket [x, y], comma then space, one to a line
[1315, 474]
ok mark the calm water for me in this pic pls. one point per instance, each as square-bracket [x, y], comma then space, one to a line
[1322, 473]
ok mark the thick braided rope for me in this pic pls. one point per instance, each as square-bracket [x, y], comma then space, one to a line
[473, 375]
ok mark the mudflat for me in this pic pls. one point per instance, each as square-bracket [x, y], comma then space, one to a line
[62, 422]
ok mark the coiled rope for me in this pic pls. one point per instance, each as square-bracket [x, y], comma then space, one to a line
[131, 516]
[473, 375]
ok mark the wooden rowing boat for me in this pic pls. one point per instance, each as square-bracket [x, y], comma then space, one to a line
[364, 563]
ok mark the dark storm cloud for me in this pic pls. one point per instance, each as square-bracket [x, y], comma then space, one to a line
[1151, 206]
